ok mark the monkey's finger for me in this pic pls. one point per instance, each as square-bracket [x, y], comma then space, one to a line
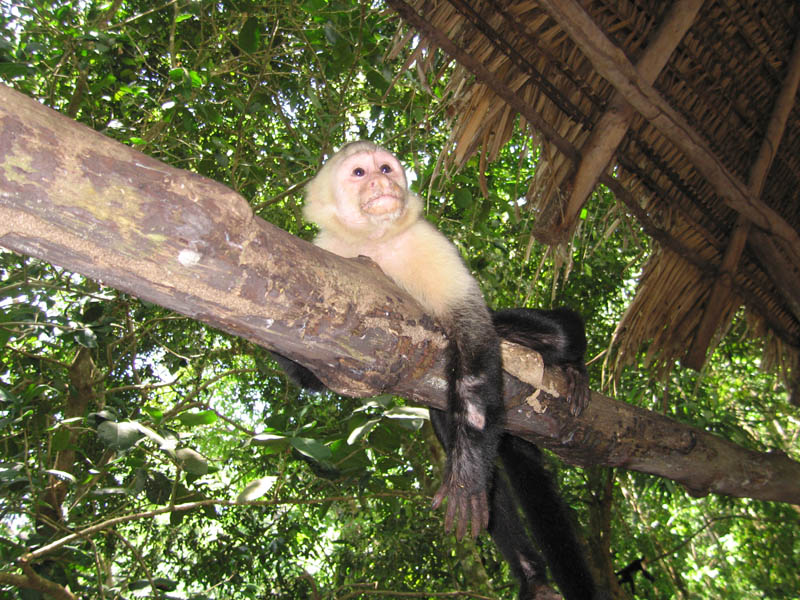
[480, 513]
[463, 518]
[438, 497]
[451, 515]
[485, 510]
[477, 517]
[578, 393]
[579, 400]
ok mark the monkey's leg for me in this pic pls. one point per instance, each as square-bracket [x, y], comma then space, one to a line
[474, 418]
[505, 526]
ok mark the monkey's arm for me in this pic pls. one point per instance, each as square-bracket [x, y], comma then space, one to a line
[474, 418]
[559, 336]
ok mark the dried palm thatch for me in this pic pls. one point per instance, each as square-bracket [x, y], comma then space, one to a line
[686, 110]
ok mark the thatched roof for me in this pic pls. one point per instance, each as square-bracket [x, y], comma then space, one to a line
[678, 107]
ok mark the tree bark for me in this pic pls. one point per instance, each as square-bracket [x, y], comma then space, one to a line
[70, 196]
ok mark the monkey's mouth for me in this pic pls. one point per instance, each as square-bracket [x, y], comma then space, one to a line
[381, 204]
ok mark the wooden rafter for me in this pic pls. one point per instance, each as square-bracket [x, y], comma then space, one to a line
[696, 356]
[613, 65]
[784, 276]
[777, 123]
[781, 270]
[779, 267]
[607, 134]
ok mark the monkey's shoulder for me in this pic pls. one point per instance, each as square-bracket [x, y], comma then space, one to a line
[427, 264]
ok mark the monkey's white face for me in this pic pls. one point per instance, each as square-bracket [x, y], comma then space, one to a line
[373, 183]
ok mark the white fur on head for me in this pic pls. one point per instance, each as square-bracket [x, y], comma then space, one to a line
[320, 204]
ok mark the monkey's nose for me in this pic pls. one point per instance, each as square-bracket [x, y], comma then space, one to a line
[381, 183]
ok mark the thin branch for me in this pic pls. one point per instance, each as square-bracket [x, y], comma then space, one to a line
[109, 523]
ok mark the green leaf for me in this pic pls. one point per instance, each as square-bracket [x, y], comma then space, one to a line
[257, 488]
[269, 439]
[63, 475]
[462, 198]
[314, 6]
[119, 436]
[109, 491]
[60, 439]
[411, 418]
[377, 81]
[191, 461]
[407, 412]
[8, 397]
[11, 70]
[206, 417]
[195, 79]
[155, 413]
[330, 33]
[167, 442]
[86, 337]
[158, 488]
[250, 35]
[362, 431]
[311, 448]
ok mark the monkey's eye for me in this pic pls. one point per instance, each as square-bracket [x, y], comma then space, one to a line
[358, 172]
[386, 169]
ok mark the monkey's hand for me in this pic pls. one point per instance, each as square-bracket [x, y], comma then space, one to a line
[577, 389]
[465, 503]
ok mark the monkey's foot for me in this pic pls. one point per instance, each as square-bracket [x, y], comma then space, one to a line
[578, 393]
[464, 505]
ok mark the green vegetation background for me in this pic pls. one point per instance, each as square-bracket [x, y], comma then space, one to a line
[253, 95]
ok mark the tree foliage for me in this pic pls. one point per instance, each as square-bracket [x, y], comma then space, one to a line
[221, 479]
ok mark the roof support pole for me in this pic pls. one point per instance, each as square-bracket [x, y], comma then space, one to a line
[607, 134]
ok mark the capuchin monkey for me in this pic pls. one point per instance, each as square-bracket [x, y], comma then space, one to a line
[362, 205]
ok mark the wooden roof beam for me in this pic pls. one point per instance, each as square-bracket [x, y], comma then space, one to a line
[780, 269]
[777, 122]
[607, 134]
[612, 64]
[783, 275]
[715, 306]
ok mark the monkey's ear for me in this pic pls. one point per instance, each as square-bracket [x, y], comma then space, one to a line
[319, 204]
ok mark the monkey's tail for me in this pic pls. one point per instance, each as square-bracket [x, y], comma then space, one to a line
[549, 518]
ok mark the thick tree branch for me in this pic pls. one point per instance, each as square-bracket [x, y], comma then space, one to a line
[70, 196]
